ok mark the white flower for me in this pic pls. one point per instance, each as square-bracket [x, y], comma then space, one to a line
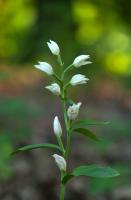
[45, 67]
[53, 46]
[54, 88]
[81, 60]
[73, 111]
[60, 161]
[78, 79]
[57, 127]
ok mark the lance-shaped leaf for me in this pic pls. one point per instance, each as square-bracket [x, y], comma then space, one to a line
[91, 171]
[37, 146]
[81, 123]
[95, 171]
[87, 133]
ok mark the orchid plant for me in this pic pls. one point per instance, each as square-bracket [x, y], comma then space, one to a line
[59, 88]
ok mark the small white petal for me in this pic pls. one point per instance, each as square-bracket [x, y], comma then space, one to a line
[73, 111]
[54, 88]
[78, 79]
[60, 161]
[81, 60]
[54, 48]
[57, 127]
[45, 67]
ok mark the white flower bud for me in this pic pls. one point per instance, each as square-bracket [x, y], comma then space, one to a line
[57, 127]
[45, 67]
[78, 79]
[53, 46]
[60, 161]
[73, 111]
[81, 60]
[54, 88]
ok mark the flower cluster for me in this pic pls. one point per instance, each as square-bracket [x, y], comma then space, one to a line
[57, 88]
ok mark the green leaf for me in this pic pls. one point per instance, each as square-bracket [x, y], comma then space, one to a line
[91, 171]
[80, 123]
[36, 146]
[95, 171]
[87, 133]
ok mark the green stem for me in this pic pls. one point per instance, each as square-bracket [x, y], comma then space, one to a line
[65, 114]
[67, 146]
[61, 144]
[57, 78]
[61, 65]
[68, 68]
[67, 125]
[62, 191]
[67, 122]
[67, 85]
[60, 61]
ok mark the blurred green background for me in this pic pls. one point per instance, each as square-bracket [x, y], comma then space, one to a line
[96, 27]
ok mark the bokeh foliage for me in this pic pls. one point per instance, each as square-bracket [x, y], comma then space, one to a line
[16, 116]
[102, 27]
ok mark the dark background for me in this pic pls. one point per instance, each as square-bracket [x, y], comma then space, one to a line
[96, 27]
